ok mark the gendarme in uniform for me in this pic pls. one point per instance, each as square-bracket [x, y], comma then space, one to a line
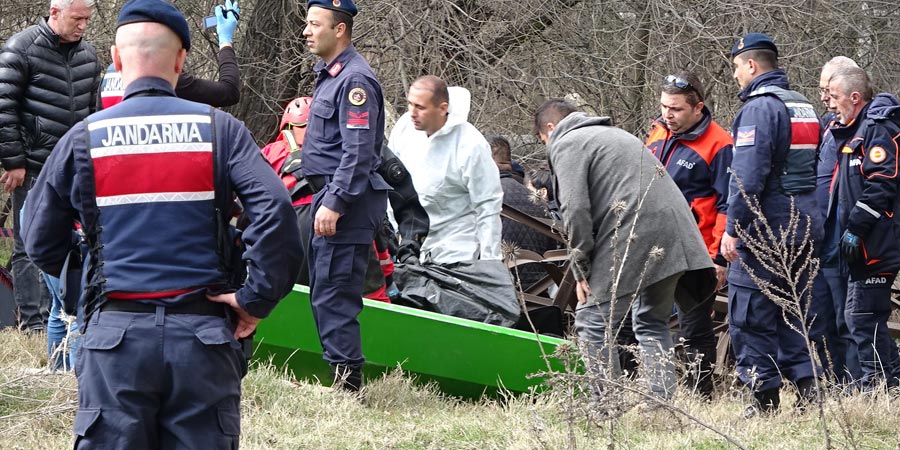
[776, 133]
[159, 366]
[340, 158]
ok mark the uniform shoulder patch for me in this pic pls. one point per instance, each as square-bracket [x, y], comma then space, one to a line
[357, 120]
[746, 136]
[357, 96]
[877, 154]
[336, 69]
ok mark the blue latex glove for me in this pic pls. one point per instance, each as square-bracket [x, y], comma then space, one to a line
[226, 21]
[392, 291]
[851, 247]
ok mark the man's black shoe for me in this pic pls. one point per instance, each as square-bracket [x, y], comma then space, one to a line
[765, 403]
[347, 378]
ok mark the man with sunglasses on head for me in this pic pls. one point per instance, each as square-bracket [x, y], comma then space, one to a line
[776, 134]
[697, 153]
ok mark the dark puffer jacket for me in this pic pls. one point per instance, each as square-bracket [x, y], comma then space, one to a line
[45, 89]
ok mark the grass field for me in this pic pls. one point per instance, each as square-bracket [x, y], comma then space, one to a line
[37, 410]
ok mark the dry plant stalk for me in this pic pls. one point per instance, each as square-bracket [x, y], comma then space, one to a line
[789, 255]
[64, 347]
[509, 250]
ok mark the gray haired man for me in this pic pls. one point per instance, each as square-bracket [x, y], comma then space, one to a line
[35, 111]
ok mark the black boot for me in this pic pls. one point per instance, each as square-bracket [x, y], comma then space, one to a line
[765, 403]
[806, 393]
[700, 376]
[346, 377]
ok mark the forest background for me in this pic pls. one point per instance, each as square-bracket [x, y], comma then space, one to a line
[610, 56]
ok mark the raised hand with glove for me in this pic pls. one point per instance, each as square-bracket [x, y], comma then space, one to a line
[226, 22]
[851, 247]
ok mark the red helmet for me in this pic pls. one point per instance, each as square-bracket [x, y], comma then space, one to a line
[296, 112]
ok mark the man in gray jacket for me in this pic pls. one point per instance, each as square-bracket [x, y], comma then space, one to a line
[49, 78]
[622, 211]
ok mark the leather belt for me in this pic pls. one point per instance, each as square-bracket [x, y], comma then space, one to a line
[199, 308]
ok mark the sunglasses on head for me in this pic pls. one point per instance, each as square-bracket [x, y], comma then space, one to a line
[679, 82]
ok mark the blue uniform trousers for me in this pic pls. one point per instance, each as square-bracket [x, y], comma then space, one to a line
[868, 309]
[337, 274]
[828, 329]
[157, 381]
[765, 347]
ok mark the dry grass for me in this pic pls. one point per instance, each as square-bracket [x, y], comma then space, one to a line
[36, 412]
[36, 409]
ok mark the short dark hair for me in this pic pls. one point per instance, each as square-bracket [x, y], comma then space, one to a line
[552, 111]
[541, 178]
[340, 17]
[693, 92]
[437, 86]
[767, 59]
[500, 149]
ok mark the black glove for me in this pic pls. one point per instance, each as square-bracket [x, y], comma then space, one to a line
[386, 237]
[851, 247]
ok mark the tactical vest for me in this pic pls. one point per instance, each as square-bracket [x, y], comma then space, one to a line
[154, 228]
[797, 169]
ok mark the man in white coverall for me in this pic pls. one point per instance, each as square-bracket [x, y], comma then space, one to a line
[452, 170]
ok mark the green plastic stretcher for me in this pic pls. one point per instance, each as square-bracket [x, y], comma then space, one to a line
[465, 358]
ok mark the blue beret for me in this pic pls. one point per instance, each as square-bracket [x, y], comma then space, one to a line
[753, 41]
[157, 11]
[346, 6]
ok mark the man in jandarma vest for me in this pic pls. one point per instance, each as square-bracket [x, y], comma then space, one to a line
[159, 365]
[776, 133]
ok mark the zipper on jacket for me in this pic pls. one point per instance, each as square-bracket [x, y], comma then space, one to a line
[668, 148]
[68, 58]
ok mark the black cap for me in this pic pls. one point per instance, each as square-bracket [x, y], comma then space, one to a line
[345, 6]
[157, 11]
[753, 41]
